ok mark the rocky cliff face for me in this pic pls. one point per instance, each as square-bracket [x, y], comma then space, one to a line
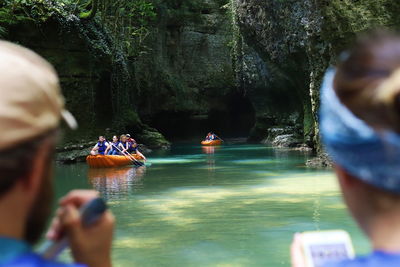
[97, 87]
[84, 78]
[187, 85]
[299, 39]
[184, 84]
[226, 65]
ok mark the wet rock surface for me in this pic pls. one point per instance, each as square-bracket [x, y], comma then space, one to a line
[72, 156]
[202, 68]
[322, 161]
[153, 140]
[298, 40]
[286, 140]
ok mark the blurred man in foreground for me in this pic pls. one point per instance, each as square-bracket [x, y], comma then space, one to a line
[31, 106]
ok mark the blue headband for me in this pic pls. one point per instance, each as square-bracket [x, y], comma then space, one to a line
[370, 156]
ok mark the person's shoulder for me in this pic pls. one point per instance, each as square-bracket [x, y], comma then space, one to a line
[34, 260]
[376, 259]
[348, 263]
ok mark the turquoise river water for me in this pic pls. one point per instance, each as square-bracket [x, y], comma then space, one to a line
[235, 205]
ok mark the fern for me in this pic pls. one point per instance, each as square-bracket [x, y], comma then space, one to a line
[3, 32]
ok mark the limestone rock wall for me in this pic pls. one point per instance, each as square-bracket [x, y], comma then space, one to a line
[188, 78]
[299, 39]
[184, 83]
[226, 65]
[98, 89]
[84, 78]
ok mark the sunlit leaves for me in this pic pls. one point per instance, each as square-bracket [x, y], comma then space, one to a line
[13, 11]
[128, 22]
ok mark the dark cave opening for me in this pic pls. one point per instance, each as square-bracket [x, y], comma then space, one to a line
[229, 117]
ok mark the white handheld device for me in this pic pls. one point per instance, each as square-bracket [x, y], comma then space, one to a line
[320, 247]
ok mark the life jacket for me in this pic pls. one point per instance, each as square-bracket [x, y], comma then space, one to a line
[132, 145]
[123, 144]
[102, 147]
[114, 145]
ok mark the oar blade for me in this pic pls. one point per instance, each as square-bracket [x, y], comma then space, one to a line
[138, 163]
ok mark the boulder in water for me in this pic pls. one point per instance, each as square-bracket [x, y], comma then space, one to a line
[286, 140]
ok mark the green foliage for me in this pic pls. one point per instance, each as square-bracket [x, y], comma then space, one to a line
[3, 31]
[92, 12]
[236, 43]
[12, 11]
[128, 22]
[345, 18]
[16, 11]
[177, 12]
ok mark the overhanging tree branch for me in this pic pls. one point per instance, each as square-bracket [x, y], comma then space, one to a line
[92, 12]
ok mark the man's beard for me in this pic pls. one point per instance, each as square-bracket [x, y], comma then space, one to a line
[41, 209]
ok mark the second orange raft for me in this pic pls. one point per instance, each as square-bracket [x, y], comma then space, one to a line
[211, 142]
[102, 161]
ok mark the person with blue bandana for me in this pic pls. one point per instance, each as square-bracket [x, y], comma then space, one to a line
[360, 129]
[31, 107]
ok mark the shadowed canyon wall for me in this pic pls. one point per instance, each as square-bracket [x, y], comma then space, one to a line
[298, 40]
[238, 67]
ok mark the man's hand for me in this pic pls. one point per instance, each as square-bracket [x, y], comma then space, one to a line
[296, 252]
[92, 245]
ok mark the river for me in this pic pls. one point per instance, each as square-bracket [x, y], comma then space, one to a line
[235, 205]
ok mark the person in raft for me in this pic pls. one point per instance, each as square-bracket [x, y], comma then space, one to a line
[123, 144]
[31, 106]
[210, 137]
[133, 147]
[112, 149]
[360, 128]
[101, 147]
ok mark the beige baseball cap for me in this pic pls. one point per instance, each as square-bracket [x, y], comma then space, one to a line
[31, 102]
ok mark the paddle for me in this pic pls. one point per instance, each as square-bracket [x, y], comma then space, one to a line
[135, 161]
[219, 138]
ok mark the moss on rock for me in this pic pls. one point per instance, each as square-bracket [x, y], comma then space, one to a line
[153, 139]
[299, 39]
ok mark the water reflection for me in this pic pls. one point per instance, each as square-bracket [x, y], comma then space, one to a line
[210, 159]
[209, 149]
[228, 206]
[116, 182]
[174, 160]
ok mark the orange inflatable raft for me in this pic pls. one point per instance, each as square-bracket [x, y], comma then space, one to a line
[103, 161]
[211, 142]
